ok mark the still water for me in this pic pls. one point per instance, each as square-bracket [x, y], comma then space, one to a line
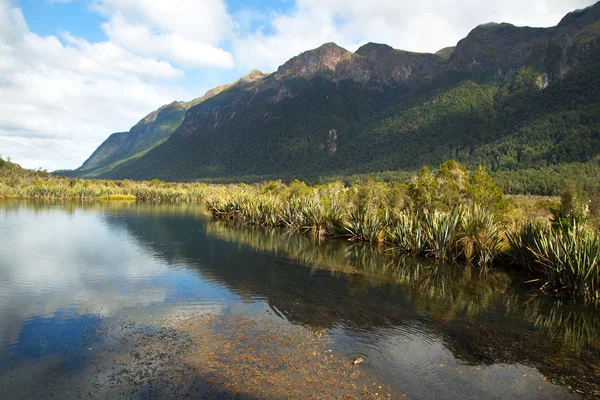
[127, 300]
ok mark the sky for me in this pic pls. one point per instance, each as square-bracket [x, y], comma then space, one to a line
[74, 71]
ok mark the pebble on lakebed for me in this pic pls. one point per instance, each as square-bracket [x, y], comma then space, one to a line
[239, 357]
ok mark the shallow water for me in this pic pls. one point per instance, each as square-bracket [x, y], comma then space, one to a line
[105, 300]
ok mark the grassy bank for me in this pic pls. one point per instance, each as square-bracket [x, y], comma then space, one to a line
[447, 214]
[20, 183]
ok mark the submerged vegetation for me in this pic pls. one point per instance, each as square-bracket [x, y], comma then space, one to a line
[448, 214]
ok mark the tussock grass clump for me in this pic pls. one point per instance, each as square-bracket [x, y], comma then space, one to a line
[407, 234]
[567, 257]
[365, 225]
[521, 239]
[441, 230]
[481, 235]
[570, 259]
[319, 212]
[291, 215]
[472, 234]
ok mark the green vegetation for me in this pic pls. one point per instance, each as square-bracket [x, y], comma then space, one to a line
[566, 252]
[109, 167]
[19, 183]
[523, 102]
[150, 132]
[571, 258]
[437, 215]
[448, 214]
[531, 139]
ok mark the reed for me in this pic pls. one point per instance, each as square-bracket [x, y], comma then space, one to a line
[521, 239]
[291, 215]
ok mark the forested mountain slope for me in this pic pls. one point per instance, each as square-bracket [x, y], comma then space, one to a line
[507, 97]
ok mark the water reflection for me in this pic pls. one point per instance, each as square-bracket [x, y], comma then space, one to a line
[482, 318]
[442, 291]
[429, 329]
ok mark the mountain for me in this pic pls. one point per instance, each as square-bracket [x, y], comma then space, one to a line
[507, 97]
[148, 133]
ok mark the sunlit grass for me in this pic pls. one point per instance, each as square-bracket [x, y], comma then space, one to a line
[431, 217]
[119, 197]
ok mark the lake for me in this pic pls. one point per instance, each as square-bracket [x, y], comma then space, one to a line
[134, 300]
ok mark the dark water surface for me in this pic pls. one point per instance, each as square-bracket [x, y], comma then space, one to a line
[78, 282]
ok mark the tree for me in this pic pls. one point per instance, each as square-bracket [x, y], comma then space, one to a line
[484, 192]
[423, 190]
[573, 208]
[453, 181]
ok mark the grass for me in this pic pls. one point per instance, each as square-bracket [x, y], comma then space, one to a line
[481, 236]
[441, 230]
[568, 258]
[121, 197]
[19, 183]
[471, 234]
[407, 235]
[431, 217]
[363, 224]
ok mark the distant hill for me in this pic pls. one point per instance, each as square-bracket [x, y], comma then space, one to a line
[511, 98]
[8, 167]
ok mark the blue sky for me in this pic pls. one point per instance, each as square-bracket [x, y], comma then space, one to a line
[74, 71]
[79, 19]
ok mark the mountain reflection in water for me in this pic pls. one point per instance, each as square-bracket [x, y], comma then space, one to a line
[425, 328]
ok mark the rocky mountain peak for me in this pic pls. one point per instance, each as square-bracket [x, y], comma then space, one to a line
[312, 62]
[581, 18]
[376, 108]
[446, 52]
[494, 45]
[374, 51]
[253, 76]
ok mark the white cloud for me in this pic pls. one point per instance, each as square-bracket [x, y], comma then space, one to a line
[61, 96]
[424, 26]
[207, 20]
[60, 99]
[170, 46]
[187, 33]
[59, 281]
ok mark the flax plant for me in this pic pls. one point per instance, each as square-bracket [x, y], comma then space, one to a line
[481, 236]
[571, 259]
[407, 234]
[441, 230]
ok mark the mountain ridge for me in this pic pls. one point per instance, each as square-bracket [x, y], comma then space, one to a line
[330, 110]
